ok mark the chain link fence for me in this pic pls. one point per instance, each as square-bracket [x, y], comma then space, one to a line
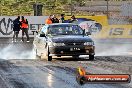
[118, 12]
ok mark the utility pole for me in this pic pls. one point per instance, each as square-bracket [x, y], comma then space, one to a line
[71, 7]
[107, 8]
[0, 8]
[36, 7]
[55, 5]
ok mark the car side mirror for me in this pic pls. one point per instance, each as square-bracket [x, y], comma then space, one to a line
[88, 33]
[42, 35]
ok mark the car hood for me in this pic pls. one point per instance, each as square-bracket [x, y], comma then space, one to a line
[70, 38]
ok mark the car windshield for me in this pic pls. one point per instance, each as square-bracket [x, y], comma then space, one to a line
[65, 30]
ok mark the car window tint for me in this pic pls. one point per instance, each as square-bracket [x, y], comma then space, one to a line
[65, 30]
[44, 29]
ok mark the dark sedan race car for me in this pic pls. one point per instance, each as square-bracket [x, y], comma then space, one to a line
[63, 39]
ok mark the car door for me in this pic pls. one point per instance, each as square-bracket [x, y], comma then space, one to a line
[42, 41]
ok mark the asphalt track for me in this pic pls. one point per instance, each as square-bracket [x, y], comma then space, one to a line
[19, 68]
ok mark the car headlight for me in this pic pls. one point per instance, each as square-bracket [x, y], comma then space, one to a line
[58, 44]
[89, 43]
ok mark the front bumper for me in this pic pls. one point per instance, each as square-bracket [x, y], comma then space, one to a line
[71, 50]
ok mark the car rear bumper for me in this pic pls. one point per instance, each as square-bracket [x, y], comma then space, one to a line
[71, 50]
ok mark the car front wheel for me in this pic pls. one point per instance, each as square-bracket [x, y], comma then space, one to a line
[46, 55]
[91, 57]
[76, 56]
[49, 58]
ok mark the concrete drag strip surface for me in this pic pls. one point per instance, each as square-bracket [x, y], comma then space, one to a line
[19, 68]
[43, 74]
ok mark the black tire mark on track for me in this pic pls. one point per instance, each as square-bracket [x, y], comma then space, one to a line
[18, 83]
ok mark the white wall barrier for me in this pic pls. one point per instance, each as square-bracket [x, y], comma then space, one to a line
[6, 25]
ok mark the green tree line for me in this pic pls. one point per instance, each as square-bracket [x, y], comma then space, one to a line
[25, 7]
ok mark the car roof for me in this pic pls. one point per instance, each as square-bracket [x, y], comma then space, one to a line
[62, 24]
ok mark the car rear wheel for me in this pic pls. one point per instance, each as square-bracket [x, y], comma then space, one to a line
[91, 57]
[46, 55]
[49, 58]
[35, 52]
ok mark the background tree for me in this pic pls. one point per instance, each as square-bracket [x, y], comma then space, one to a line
[24, 7]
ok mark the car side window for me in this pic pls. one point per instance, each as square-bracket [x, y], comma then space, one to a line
[44, 30]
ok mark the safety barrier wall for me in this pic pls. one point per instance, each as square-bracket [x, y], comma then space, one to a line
[35, 22]
[116, 31]
[98, 25]
[102, 19]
